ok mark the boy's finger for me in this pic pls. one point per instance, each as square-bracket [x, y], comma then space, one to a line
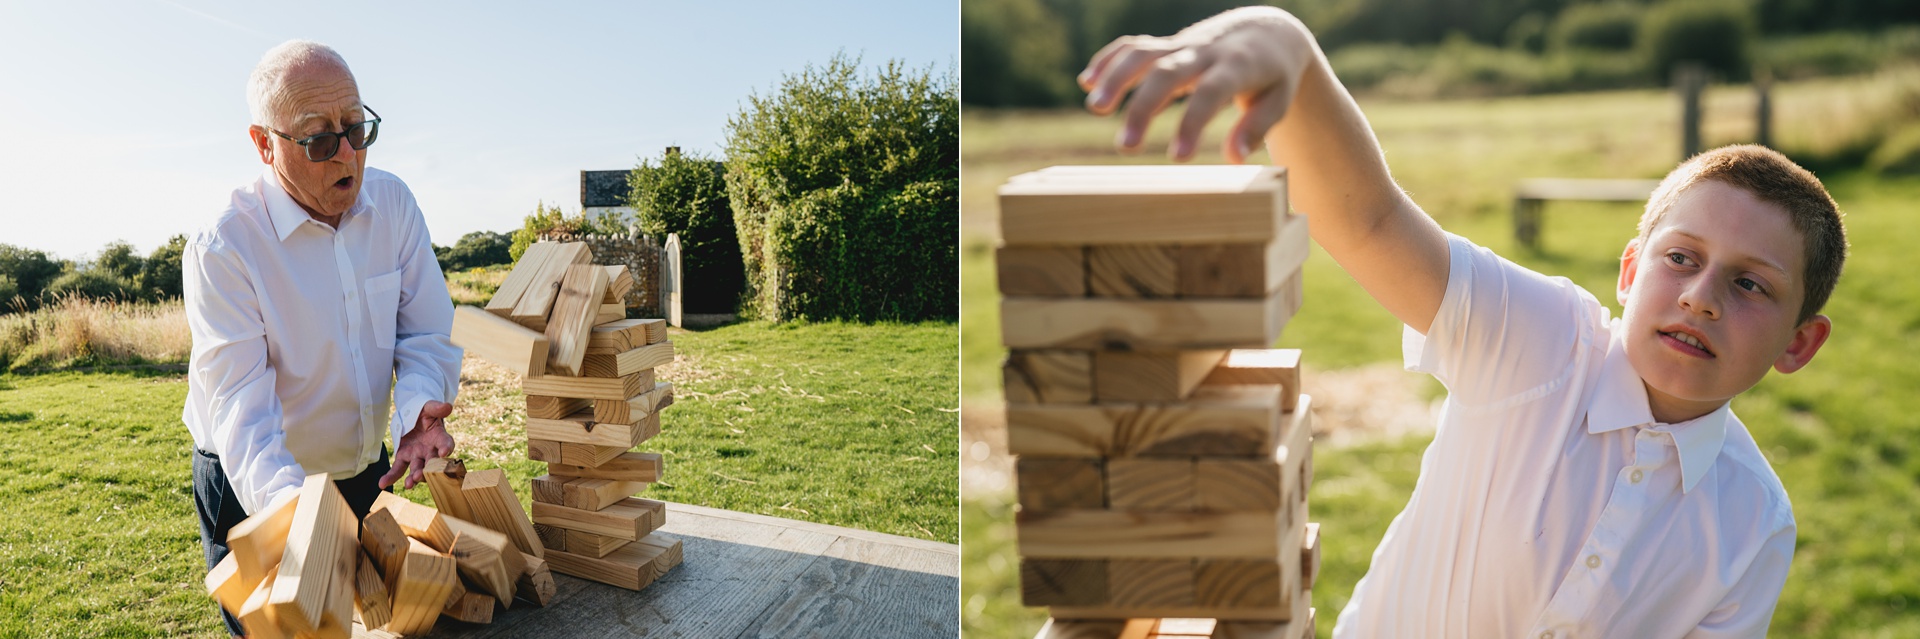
[1210, 94]
[1171, 76]
[1120, 76]
[1260, 116]
[1098, 64]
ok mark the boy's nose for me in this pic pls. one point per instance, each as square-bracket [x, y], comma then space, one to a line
[1699, 296]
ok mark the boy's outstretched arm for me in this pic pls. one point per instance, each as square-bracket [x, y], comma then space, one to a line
[1265, 60]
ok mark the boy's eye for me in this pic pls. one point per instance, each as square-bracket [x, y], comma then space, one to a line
[1748, 284]
[1677, 258]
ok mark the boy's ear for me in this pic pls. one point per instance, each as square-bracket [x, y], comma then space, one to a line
[1629, 261]
[1807, 339]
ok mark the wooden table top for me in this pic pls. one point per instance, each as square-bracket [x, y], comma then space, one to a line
[747, 575]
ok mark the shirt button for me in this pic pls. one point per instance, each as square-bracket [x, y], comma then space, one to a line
[1593, 561]
[1637, 476]
[1547, 635]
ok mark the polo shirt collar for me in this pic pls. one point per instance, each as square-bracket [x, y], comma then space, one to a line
[1620, 401]
[287, 215]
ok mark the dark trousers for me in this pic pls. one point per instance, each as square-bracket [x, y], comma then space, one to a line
[220, 510]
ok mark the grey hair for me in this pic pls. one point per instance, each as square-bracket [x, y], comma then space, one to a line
[265, 87]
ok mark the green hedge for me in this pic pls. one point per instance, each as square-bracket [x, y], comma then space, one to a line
[474, 250]
[1606, 26]
[687, 194]
[844, 191]
[1715, 33]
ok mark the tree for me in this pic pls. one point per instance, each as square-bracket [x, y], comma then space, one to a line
[160, 275]
[687, 194]
[30, 270]
[119, 259]
[474, 250]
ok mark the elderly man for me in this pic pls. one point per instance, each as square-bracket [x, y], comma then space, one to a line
[307, 297]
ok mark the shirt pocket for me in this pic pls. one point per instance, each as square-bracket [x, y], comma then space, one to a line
[383, 306]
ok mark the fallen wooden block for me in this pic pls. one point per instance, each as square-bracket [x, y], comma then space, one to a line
[551, 407]
[1126, 205]
[1261, 366]
[614, 338]
[494, 505]
[1063, 582]
[1165, 376]
[515, 285]
[500, 341]
[544, 285]
[487, 558]
[1147, 325]
[417, 520]
[615, 388]
[257, 543]
[227, 586]
[256, 617]
[444, 476]
[1133, 270]
[631, 518]
[575, 312]
[619, 281]
[634, 566]
[610, 312]
[1119, 534]
[473, 607]
[635, 408]
[385, 542]
[319, 546]
[577, 542]
[1042, 271]
[628, 363]
[535, 585]
[371, 601]
[628, 466]
[1060, 483]
[1214, 421]
[582, 428]
[1048, 377]
[585, 493]
[1146, 484]
[420, 588]
[571, 453]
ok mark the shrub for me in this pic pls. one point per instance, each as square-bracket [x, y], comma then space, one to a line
[119, 259]
[1013, 53]
[1528, 33]
[842, 187]
[545, 219]
[1607, 26]
[160, 277]
[30, 270]
[474, 250]
[1714, 33]
[8, 291]
[687, 194]
[1899, 154]
[93, 284]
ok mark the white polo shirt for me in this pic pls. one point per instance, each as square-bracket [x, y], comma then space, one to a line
[1550, 504]
[300, 330]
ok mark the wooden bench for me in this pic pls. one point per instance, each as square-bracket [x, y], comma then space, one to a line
[1530, 197]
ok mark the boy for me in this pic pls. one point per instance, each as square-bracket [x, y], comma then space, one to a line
[1587, 477]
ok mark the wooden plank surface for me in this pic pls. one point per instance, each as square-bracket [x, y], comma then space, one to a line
[748, 575]
[544, 286]
[1042, 271]
[1214, 421]
[575, 311]
[627, 466]
[1245, 269]
[635, 408]
[500, 341]
[522, 274]
[1120, 205]
[1132, 271]
[628, 363]
[491, 501]
[1119, 324]
[572, 453]
[1118, 534]
[1048, 377]
[614, 338]
[1244, 366]
[589, 387]
[582, 428]
[1163, 376]
[1059, 484]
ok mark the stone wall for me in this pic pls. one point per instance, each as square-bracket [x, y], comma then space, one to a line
[639, 252]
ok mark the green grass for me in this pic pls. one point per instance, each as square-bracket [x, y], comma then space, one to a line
[1841, 434]
[845, 424]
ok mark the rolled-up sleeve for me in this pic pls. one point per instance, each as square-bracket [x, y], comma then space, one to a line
[236, 401]
[426, 364]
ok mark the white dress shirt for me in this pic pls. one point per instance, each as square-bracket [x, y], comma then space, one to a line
[300, 330]
[1550, 504]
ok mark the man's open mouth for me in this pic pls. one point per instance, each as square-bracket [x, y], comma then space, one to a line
[344, 182]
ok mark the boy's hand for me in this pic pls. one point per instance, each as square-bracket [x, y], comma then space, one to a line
[427, 440]
[1252, 55]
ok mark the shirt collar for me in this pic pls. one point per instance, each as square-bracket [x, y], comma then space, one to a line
[287, 215]
[1620, 401]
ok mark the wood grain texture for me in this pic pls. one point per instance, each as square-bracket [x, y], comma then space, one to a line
[318, 546]
[550, 407]
[471, 607]
[627, 466]
[486, 558]
[515, 285]
[1063, 582]
[575, 311]
[1244, 269]
[494, 505]
[631, 518]
[619, 281]
[614, 338]
[254, 615]
[628, 363]
[500, 341]
[1310, 555]
[1146, 325]
[1042, 271]
[1165, 376]
[1060, 484]
[226, 586]
[1260, 366]
[1268, 483]
[370, 598]
[257, 542]
[383, 540]
[420, 588]
[1099, 205]
[1214, 421]
[589, 387]
[417, 520]
[635, 408]
[543, 287]
[571, 453]
[1094, 534]
[584, 493]
[535, 585]
[610, 313]
[1048, 377]
[634, 566]
[1150, 582]
[1156, 485]
[577, 542]
[582, 428]
[1268, 583]
[1133, 271]
[444, 476]
[1095, 629]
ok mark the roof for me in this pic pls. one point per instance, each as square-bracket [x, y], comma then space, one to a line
[603, 188]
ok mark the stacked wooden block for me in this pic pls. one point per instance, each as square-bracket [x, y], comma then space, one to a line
[1163, 452]
[296, 569]
[591, 398]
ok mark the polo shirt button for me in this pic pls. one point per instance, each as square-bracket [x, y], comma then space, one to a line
[1593, 561]
[1637, 475]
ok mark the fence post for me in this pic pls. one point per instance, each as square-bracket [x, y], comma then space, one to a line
[1763, 107]
[1690, 79]
[670, 280]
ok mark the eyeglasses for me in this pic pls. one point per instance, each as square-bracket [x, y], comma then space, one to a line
[322, 147]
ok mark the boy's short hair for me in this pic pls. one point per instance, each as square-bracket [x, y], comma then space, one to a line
[1772, 178]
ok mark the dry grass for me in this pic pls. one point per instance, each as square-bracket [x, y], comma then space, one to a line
[475, 286]
[81, 332]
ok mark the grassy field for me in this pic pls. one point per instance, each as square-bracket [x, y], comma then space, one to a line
[845, 424]
[1840, 434]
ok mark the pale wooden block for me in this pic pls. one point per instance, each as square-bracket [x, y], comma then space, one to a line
[1059, 484]
[608, 313]
[256, 617]
[589, 387]
[619, 281]
[1048, 377]
[1268, 583]
[1244, 269]
[1267, 483]
[1063, 582]
[420, 588]
[316, 550]
[226, 585]
[1042, 271]
[256, 543]
[572, 453]
[631, 518]
[1094, 534]
[1214, 421]
[535, 585]
[1143, 484]
[635, 408]
[487, 558]
[633, 566]
[1097, 206]
[1310, 556]
[371, 602]
[544, 286]
[443, 482]
[613, 338]
[1133, 271]
[493, 504]
[628, 363]
[1146, 325]
[418, 520]
[550, 407]
[1108, 628]
[500, 341]
[627, 466]
[1165, 376]
[1261, 366]
[581, 428]
[575, 312]
[384, 541]
[472, 607]
[1150, 582]
[523, 272]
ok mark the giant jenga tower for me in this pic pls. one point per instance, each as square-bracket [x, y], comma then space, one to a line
[1163, 452]
[587, 371]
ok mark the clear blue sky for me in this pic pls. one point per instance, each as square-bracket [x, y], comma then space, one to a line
[126, 119]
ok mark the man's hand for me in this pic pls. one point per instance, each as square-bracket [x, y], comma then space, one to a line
[1253, 55]
[427, 440]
